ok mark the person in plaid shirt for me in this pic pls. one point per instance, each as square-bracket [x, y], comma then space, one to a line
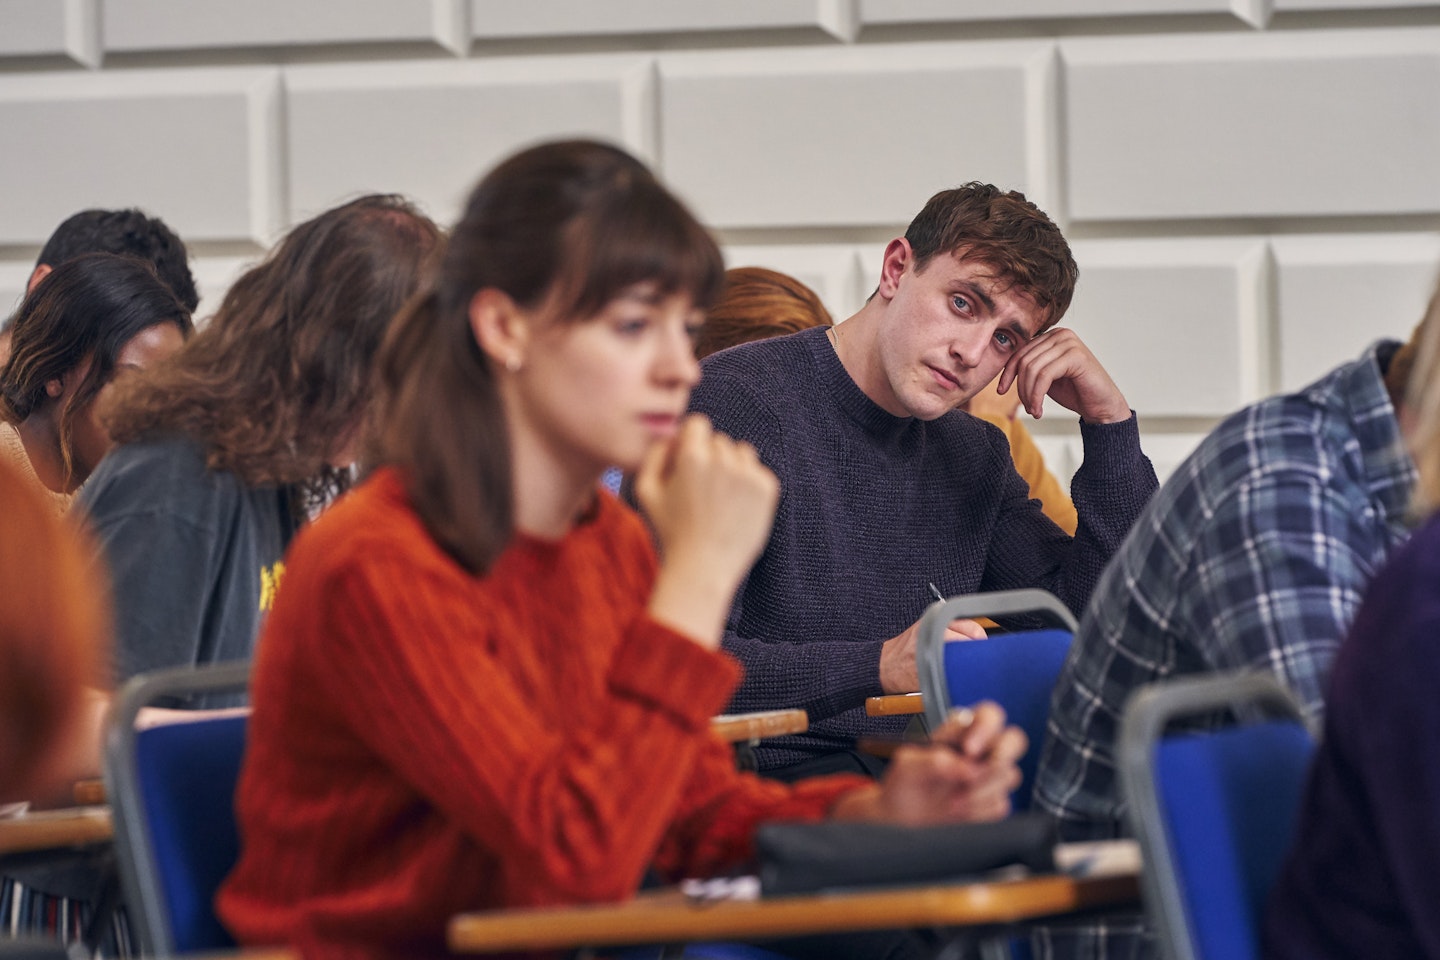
[1254, 555]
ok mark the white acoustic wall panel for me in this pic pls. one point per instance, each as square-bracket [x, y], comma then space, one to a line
[1291, 5]
[1177, 323]
[938, 11]
[41, 28]
[198, 148]
[213, 277]
[1168, 450]
[131, 25]
[1336, 294]
[828, 269]
[493, 19]
[13, 277]
[1064, 451]
[852, 136]
[1303, 123]
[430, 129]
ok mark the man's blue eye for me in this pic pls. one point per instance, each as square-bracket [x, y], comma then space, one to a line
[1004, 338]
[961, 303]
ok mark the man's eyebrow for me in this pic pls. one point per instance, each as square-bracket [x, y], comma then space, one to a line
[1018, 328]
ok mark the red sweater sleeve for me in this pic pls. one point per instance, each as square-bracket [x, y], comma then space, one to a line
[714, 830]
[578, 809]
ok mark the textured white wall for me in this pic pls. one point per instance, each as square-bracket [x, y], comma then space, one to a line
[1248, 184]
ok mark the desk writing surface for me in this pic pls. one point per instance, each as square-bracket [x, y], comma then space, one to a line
[49, 829]
[735, 727]
[667, 916]
[894, 704]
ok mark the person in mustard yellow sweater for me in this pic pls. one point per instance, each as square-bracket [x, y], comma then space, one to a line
[1001, 409]
[479, 687]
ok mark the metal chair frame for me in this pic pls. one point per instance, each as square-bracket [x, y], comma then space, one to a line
[139, 871]
[930, 642]
[1148, 712]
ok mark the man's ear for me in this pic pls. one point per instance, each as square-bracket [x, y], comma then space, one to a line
[41, 271]
[501, 327]
[898, 258]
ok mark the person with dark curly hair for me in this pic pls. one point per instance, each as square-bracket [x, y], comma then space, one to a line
[225, 450]
[128, 233]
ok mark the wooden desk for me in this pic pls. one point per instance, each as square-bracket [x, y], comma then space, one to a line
[50, 829]
[896, 704]
[90, 793]
[737, 727]
[667, 916]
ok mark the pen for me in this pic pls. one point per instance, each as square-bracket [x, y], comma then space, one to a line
[935, 591]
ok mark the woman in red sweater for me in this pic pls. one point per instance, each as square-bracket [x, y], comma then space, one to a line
[478, 687]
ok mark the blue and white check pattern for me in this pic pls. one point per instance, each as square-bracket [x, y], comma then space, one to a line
[1254, 555]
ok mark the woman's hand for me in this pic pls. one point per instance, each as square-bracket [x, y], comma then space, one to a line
[964, 774]
[711, 502]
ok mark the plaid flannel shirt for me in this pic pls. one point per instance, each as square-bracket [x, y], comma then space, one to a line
[1253, 556]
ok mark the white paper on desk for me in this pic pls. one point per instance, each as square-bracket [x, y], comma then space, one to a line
[722, 888]
[1098, 858]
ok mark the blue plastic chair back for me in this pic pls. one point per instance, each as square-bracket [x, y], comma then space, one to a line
[1017, 671]
[1214, 812]
[172, 793]
[1229, 801]
[187, 777]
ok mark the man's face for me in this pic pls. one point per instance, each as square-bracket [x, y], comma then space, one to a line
[948, 330]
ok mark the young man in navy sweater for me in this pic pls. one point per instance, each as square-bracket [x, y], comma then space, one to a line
[886, 486]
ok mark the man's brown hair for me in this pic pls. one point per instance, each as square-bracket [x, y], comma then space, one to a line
[1002, 229]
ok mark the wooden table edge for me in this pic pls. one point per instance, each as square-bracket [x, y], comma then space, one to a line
[55, 829]
[894, 704]
[654, 918]
[736, 727]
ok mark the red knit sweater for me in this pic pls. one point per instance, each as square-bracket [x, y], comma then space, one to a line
[425, 742]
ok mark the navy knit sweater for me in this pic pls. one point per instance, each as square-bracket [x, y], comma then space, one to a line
[873, 507]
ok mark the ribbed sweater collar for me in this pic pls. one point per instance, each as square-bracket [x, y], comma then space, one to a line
[849, 398]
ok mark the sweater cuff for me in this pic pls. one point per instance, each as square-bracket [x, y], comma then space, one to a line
[1112, 448]
[669, 671]
[849, 681]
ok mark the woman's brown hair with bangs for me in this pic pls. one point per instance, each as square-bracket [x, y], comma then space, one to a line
[278, 382]
[576, 220]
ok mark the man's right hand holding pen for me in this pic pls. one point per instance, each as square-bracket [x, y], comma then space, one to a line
[965, 773]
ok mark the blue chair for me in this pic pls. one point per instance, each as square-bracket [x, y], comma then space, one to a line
[1214, 813]
[172, 791]
[1016, 670]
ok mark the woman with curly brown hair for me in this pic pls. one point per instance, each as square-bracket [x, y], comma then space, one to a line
[224, 449]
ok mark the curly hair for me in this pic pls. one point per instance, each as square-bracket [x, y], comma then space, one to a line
[1004, 230]
[756, 304]
[578, 220]
[130, 233]
[277, 383]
